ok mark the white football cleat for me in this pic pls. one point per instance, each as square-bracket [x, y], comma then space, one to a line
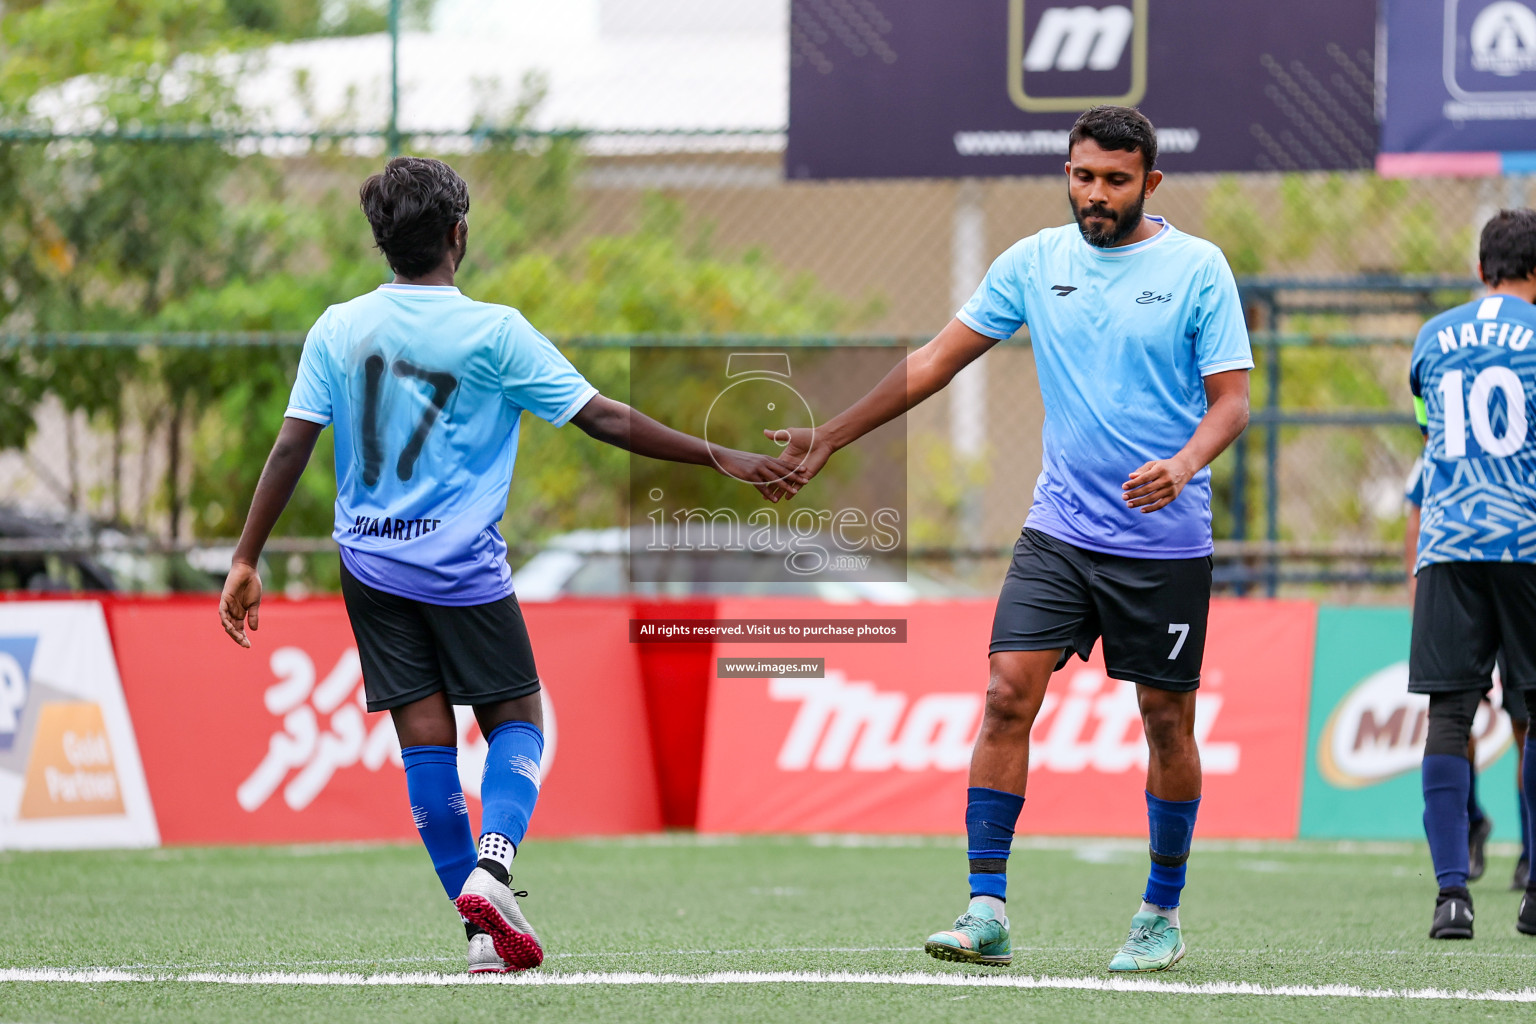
[482, 956]
[492, 905]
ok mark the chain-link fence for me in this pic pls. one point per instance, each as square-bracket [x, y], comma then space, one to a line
[170, 229]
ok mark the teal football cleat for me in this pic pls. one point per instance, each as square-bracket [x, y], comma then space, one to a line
[977, 938]
[1154, 945]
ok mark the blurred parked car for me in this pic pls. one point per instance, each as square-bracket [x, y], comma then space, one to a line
[41, 553]
[596, 562]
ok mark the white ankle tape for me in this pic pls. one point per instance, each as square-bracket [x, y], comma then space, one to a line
[497, 847]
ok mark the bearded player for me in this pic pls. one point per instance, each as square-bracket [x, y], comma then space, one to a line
[1143, 359]
[425, 388]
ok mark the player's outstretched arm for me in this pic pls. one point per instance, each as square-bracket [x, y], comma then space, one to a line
[919, 376]
[1156, 484]
[240, 603]
[617, 424]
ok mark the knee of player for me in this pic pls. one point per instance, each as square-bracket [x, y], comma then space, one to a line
[1008, 700]
[1450, 721]
[1168, 726]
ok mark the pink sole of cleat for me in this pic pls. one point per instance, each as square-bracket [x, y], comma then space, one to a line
[517, 950]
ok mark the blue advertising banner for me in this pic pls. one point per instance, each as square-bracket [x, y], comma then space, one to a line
[1460, 93]
[915, 88]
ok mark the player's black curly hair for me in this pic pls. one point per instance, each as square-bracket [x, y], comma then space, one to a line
[1507, 249]
[412, 205]
[1124, 128]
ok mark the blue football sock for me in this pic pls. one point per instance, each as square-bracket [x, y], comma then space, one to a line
[1171, 829]
[1474, 809]
[990, 816]
[510, 786]
[1528, 796]
[1447, 777]
[437, 807]
[1525, 811]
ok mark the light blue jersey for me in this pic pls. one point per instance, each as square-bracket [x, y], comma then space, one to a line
[426, 388]
[1123, 339]
[1474, 375]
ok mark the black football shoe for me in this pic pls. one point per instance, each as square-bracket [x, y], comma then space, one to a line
[1526, 922]
[1522, 875]
[1453, 914]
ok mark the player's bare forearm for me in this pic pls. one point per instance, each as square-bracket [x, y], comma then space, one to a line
[290, 454]
[1411, 548]
[1157, 483]
[919, 376]
[624, 427]
[1411, 544]
[240, 602]
[1225, 418]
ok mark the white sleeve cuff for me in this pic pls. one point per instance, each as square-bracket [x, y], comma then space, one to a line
[575, 407]
[1225, 365]
[304, 414]
[972, 323]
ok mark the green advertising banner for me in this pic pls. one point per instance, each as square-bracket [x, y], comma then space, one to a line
[1365, 736]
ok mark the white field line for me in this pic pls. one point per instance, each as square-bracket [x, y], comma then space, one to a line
[647, 954]
[1128, 844]
[911, 978]
[621, 954]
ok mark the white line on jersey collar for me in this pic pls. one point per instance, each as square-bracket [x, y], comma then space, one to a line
[420, 289]
[1130, 250]
[1488, 309]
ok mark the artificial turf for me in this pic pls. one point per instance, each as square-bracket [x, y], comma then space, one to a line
[1268, 914]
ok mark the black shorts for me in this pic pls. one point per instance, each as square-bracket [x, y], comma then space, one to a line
[1151, 612]
[1512, 698]
[477, 654]
[1464, 615]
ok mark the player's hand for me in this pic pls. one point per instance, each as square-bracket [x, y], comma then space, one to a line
[804, 447]
[1156, 484]
[774, 478]
[240, 604]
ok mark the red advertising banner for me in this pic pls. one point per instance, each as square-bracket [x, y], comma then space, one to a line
[882, 742]
[676, 679]
[273, 744]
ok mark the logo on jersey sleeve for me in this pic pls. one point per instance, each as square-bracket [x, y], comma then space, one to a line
[1065, 57]
[1063, 289]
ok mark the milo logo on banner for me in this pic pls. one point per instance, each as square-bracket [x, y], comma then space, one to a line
[1377, 731]
[1366, 732]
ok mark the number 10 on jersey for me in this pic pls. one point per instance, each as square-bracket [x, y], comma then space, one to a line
[1479, 404]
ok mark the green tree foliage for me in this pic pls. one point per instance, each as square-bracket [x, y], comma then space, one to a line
[1234, 223]
[1320, 225]
[186, 236]
[1334, 224]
